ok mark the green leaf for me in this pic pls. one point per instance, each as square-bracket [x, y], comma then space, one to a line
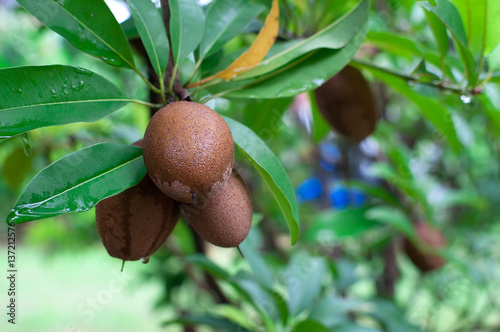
[320, 128]
[333, 311]
[374, 191]
[270, 169]
[206, 264]
[88, 25]
[263, 116]
[450, 16]
[304, 275]
[150, 27]
[236, 315]
[187, 23]
[39, 96]
[225, 19]
[305, 74]
[310, 325]
[208, 320]
[335, 36]
[433, 110]
[492, 26]
[440, 33]
[259, 268]
[331, 225]
[79, 181]
[482, 25]
[394, 217]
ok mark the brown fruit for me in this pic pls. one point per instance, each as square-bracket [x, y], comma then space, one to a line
[188, 151]
[134, 223]
[347, 104]
[430, 239]
[226, 219]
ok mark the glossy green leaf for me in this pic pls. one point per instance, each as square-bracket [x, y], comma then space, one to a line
[225, 19]
[40, 96]
[304, 275]
[270, 169]
[332, 225]
[79, 181]
[187, 23]
[88, 25]
[450, 16]
[335, 36]
[305, 74]
[152, 31]
[434, 111]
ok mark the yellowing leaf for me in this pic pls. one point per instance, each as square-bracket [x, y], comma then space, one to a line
[257, 51]
[259, 48]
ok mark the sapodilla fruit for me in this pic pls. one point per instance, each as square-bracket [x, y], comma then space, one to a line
[429, 239]
[226, 219]
[134, 223]
[346, 102]
[188, 151]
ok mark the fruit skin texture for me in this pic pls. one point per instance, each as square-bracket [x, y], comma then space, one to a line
[347, 104]
[226, 219]
[188, 150]
[134, 223]
[430, 239]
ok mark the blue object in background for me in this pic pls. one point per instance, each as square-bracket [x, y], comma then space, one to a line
[309, 189]
[339, 197]
[358, 198]
[329, 156]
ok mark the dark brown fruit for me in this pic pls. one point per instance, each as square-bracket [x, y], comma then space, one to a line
[347, 104]
[430, 239]
[226, 219]
[188, 151]
[134, 223]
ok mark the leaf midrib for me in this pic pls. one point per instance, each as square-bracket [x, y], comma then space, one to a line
[97, 36]
[82, 183]
[64, 103]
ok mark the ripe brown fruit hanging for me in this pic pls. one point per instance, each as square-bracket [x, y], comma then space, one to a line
[347, 104]
[430, 239]
[134, 223]
[188, 151]
[226, 219]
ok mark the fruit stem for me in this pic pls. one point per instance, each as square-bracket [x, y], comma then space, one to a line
[123, 265]
[238, 247]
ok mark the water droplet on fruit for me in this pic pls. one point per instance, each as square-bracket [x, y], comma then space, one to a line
[145, 260]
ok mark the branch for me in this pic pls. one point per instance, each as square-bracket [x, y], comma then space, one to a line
[177, 87]
[441, 85]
